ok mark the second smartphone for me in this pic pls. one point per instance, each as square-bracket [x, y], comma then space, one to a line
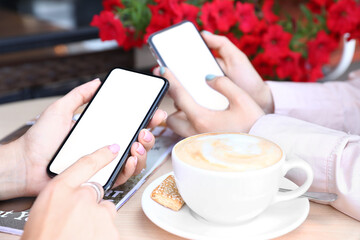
[182, 49]
[123, 105]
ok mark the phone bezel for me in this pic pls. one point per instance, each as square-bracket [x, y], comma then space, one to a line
[143, 124]
[156, 54]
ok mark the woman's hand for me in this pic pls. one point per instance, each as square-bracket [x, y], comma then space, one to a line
[66, 209]
[239, 69]
[37, 146]
[191, 118]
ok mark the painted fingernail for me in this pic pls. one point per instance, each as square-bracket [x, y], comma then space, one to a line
[207, 32]
[210, 77]
[146, 135]
[162, 70]
[140, 149]
[115, 148]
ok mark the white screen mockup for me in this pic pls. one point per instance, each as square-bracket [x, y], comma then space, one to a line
[185, 53]
[113, 116]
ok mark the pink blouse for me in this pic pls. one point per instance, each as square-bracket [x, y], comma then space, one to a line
[320, 123]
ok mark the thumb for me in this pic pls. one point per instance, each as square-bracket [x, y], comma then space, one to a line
[224, 86]
[178, 93]
[219, 43]
[78, 96]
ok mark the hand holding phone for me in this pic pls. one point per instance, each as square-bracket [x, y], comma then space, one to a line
[182, 49]
[122, 106]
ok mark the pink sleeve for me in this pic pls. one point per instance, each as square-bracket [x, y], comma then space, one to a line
[333, 155]
[334, 105]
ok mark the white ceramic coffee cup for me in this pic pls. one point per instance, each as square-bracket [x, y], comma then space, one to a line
[233, 197]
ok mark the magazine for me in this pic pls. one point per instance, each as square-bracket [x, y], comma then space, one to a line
[13, 222]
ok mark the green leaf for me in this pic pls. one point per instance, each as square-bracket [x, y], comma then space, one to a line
[307, 13]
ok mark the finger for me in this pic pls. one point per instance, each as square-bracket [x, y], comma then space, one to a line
[137, 150]
[220, 43]
[127, 172]
[86, 167]
[180, 124]
[159, 117]
[109, 206]
[221, 63]
[92, 190]
[225, 86]
[156, 71]
[79, 96]
[181, 97]
[147, 139]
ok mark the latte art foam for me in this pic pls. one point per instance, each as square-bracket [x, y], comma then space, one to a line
[228, 152]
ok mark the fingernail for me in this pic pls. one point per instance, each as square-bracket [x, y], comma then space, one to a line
[146, 135]
[210, 77]
[207, 32]
[140, 149]
[165, 115]
[115, 148]
[162, 70]
[134, 159]
[94, 82]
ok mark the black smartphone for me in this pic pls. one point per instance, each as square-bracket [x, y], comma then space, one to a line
[122, 106]
[182, 49]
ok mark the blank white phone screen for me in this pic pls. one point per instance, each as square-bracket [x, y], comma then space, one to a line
[184, 52]
[113, 116]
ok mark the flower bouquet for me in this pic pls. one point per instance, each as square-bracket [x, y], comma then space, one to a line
[279, 45]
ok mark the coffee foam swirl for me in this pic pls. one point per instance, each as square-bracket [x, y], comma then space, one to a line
[228, 152]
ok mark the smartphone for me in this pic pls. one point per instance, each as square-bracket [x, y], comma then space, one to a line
[181, 49]
[123, 105]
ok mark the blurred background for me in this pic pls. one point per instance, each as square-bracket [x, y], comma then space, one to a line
[47, 47]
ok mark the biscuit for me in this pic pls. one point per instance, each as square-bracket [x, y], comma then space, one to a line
[167, 194]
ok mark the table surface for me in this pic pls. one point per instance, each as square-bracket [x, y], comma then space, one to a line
[323, 222]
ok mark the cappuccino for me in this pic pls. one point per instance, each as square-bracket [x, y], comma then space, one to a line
[241, 177]
[228, 152]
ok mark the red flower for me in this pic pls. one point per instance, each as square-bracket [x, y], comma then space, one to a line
[355, 34]
[245, 13]
[189, 12]
[157, 23]
[162, 17]
[110, 5]
[110, 27]
[276, 41]
[249, 44]
[269, 16]
[264, 64]
[320, 48]
[132, 40]
[233, 39]
[291, 66]
[218, 15]
[172, 9]
[161, 14]
[315, 74]
[342, 17]
[261, 28]
[317, 5]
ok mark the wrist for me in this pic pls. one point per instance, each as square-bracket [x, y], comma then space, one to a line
[266, 100]
[12, 171]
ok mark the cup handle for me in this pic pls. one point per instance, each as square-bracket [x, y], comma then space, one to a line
[295, 163]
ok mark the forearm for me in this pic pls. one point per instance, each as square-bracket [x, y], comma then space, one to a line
[335, 105]
[333, 155]
[12, 171]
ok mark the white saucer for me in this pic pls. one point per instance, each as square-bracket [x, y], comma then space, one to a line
[276, 221]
